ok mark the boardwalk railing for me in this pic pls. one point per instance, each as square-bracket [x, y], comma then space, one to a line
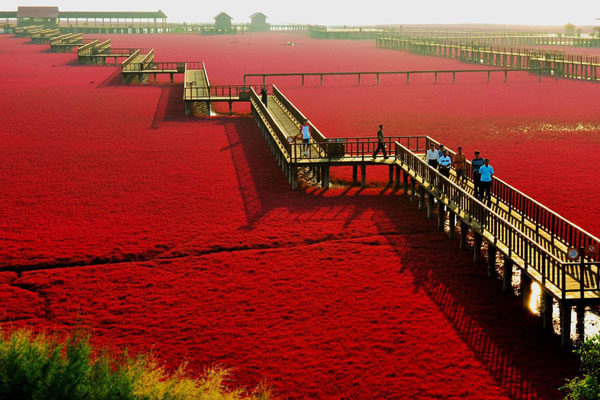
[533, 256]
[378, 74]
[220, 92]
[355, 148]
[559, 228]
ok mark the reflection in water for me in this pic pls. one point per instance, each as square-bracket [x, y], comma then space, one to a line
[535, 299]
[591, 320]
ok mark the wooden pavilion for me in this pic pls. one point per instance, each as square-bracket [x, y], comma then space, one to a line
[258, 22]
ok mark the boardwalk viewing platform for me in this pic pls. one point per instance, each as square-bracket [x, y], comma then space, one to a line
[530, 237]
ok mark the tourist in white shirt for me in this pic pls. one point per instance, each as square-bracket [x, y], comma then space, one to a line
[445, 162]
[433, 156]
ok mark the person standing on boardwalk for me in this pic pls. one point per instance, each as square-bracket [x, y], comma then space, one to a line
[476, 163]
[305, 132]
[460, 164]
[432, 156]
[441, 150]
[380, 143]
[486, 172]
[445, 163]
[264, 95]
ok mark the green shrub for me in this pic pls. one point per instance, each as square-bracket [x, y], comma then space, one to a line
[586, 387]
[40, 367]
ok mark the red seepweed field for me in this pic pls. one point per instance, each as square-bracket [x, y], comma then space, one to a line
[179, 235]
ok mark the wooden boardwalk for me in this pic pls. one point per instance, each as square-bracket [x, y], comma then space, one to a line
[529, 236]
[548, 62]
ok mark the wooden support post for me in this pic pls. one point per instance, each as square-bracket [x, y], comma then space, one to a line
[397, 185]
[421, 198]
[230, 107]
[430, 206]
[477, 247]
[580, 325]
[171, 77]
[294, 176]
[451, 225]
[441, 216]
[413, 189]
[491, 262]
[405, 182]
[355, 175]
[363, 175]
[391, 175]
[453, 77]
[435, 79]
[377, 78]
[407, 78]
[546, 311]
[326, 177]
[507, 277]
[321, 79]
[358, 79]
[505, 76]
[488, 81]
[525, 288]
[464, 230]
[302, 79]
[565, 324]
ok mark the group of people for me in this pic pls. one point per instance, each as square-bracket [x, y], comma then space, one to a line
[482, 170]
[440, 159]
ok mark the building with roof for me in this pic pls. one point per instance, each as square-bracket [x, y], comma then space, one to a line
[258, 22]
[51, 17]
[223, 22]
[46, 16]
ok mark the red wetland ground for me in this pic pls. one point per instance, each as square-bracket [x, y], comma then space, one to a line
[179, 235]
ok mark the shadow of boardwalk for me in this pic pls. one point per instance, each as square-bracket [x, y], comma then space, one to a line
[526, 361]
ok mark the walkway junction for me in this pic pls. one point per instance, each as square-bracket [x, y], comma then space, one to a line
[542, 245]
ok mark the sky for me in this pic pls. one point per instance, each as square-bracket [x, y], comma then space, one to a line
[339, 12]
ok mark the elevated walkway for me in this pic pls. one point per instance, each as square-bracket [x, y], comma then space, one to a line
[67, 42]
[547, 249]
[44, 36]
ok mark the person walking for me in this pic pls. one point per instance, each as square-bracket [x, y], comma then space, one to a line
[264, 95]
[445, 162]
[486, 172]
[441, 150]
[380, 143]
[476, 163]
[305, 132]
[460, 165]
[432, 156]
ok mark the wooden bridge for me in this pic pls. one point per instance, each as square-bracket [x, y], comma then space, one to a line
[487, 38]
[555, 63]
[407, 74]
[530, 236]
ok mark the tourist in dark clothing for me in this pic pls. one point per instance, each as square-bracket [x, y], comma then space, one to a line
[264, 95]
[476, 163]
[380, 143]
